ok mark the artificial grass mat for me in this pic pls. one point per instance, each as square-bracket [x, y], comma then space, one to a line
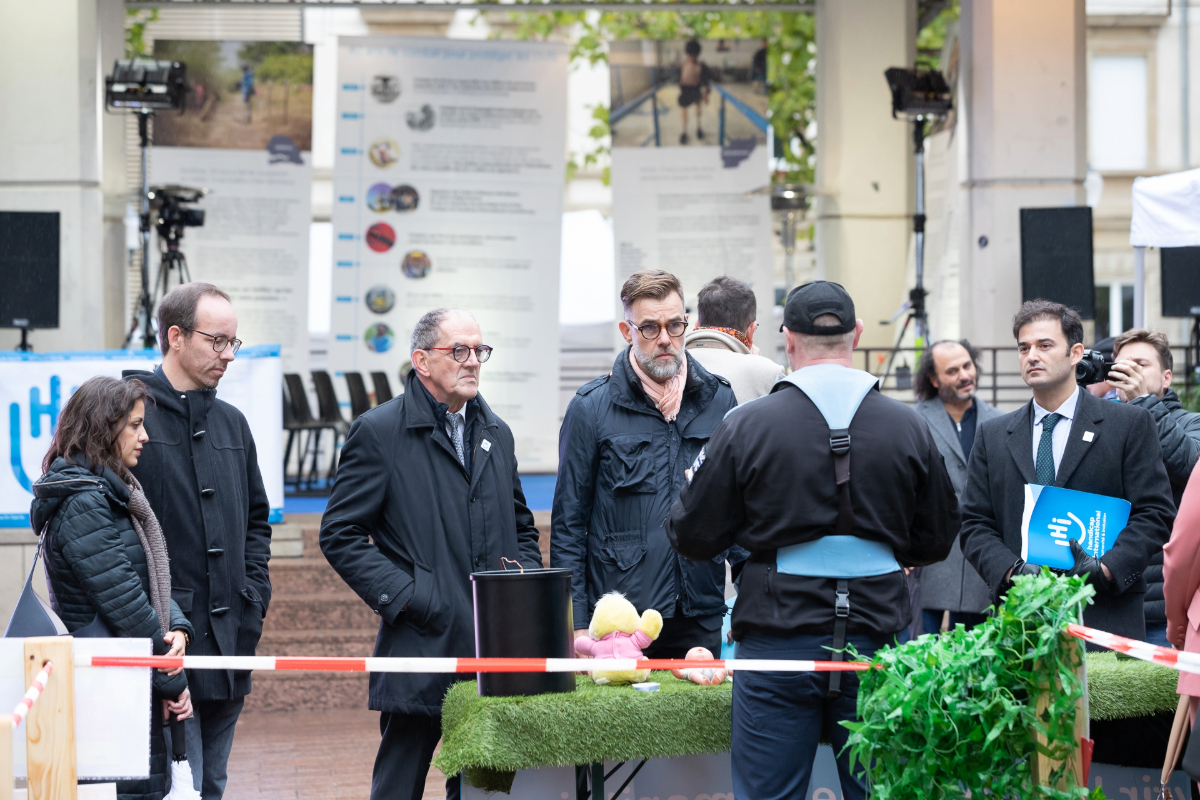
[1120, 688]
[489, 738]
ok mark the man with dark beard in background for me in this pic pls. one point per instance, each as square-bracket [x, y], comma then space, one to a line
[946, 390]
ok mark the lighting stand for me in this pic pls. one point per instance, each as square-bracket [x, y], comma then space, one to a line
[143, 314]
[915, 305]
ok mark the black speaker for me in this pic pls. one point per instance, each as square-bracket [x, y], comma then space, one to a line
[1056, 257]
[1181, 281]
[29, 269]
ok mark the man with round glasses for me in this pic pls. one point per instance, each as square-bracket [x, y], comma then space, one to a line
[624, 446]
[427, 492]
[200, 472]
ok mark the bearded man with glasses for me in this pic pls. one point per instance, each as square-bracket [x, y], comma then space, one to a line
[625, 444]
[200, 472]
[426, 493]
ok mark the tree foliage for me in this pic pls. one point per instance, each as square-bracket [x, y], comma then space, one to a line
[957, 713]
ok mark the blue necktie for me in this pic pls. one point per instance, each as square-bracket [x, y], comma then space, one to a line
[1044, 468]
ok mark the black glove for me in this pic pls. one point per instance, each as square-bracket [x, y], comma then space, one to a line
[1088, 567]
[1019, 568]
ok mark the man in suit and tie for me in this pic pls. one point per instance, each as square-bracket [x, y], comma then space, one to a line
[1066, 437]
[945, 388]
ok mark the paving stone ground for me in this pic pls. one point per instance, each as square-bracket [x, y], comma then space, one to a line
[309, 755]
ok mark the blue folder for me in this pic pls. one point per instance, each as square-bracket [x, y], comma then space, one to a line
[1054, 516]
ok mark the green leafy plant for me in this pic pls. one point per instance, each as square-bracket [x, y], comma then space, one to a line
[957, 713]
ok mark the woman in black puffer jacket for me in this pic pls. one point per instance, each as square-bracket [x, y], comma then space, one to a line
[105, 552]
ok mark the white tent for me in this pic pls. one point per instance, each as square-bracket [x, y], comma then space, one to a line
[1166, 213]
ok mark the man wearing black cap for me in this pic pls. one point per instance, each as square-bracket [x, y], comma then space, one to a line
[827, 543]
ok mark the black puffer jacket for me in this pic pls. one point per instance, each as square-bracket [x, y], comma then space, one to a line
[96, 565]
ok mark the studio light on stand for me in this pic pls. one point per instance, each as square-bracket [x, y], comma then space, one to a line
[145, 86]
[918, 96]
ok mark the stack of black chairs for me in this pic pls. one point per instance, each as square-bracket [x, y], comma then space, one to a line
[306, 431]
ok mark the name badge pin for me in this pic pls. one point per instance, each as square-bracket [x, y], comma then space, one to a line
[488, 445]
[1089, 435]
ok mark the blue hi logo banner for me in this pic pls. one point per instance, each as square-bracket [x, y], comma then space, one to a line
[36, 410]
[34, 388]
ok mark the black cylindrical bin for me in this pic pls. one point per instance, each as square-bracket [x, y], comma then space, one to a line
[523, 615]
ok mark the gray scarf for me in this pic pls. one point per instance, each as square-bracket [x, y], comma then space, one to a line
[157, 566]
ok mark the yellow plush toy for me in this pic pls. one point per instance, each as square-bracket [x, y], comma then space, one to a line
[617, 632]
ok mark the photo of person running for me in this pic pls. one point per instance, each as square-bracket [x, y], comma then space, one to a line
[694, 80]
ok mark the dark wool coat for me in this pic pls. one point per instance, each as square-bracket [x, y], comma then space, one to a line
[1122, 459]
[406, 525]
[620, 467]
[200, 473]
[96, 565]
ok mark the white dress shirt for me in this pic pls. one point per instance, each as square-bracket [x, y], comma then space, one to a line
[1062, 430]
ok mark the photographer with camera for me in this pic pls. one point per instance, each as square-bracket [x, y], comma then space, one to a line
[1141, 375]
[1067, 437]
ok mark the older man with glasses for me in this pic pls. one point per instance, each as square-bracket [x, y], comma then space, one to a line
[427, 492]
[625, 443]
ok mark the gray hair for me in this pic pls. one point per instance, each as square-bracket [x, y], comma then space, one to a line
[835, 345]
[428, 330]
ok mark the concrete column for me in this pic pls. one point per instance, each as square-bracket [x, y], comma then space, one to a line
[1022, 103]
[865, 163]
[50, 151]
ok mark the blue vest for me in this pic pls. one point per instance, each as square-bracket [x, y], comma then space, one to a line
[837, 392]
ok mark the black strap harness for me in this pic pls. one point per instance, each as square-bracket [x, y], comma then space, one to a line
[839, 443]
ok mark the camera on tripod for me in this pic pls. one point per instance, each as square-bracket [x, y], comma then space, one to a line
[1093, 368]
[173, 211]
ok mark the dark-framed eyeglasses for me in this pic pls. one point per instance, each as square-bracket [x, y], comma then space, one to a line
[651, 330]
[461, 352]
[219, 341]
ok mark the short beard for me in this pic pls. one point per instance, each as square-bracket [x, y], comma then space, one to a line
[949, 394]
[654, 368]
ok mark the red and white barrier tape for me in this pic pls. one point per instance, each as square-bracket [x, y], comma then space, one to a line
[1176, 659]
[444, 665]
[35, 690]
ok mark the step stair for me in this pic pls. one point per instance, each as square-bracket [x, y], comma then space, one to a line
[314, 613]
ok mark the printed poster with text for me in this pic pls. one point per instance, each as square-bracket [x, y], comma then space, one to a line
[689, 142]
[245, 139]
[448, 184]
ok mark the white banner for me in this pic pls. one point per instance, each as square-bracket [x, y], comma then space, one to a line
[245, 137]
[689, 145]
[34, 387]
[254, 242]
[448, 192]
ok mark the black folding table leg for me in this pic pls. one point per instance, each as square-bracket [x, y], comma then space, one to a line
[581, 782]
[598, 781]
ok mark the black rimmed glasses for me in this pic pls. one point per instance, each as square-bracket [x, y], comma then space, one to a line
[651, 330]
[219, 341]
[461, 352]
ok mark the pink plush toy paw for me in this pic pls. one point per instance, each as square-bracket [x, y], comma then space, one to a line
[704, 676]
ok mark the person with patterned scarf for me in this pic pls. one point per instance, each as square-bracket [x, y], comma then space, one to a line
[723, 339]
[106, 556]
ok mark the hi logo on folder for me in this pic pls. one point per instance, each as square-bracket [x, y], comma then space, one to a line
[1054, 516]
